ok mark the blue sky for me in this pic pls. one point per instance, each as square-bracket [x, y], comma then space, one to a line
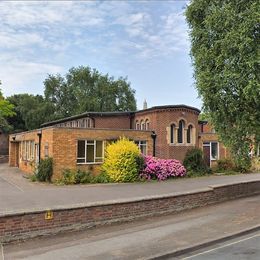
[147, 41]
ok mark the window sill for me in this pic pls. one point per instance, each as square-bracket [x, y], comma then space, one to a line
[90, 163]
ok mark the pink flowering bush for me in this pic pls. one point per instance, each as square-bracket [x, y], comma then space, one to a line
[161, 169]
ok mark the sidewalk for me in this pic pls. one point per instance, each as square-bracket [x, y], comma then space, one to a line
[19, 194]
[145, 239]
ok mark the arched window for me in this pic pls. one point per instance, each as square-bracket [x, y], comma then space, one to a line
[142, 123]
[147, 124]
[172, 133]
[137, 125]
[181, 131]
[189, 134]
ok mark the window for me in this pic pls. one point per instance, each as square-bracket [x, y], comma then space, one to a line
[181, 131]
[27, 150]
[142, 145]
[213, 150]
[189, 134]
[90, 151]
[142, 125]
[137, 125]
[147, 124]
[172, 133]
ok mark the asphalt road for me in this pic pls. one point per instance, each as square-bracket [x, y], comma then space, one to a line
[244, 248]
[150, 237]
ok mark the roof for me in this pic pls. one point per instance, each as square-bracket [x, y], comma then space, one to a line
[118, 113]
[169, 107]
[88, 114]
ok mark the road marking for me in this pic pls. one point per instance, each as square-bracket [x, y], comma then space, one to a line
[13, 184]
[2, 250]
[213, 249]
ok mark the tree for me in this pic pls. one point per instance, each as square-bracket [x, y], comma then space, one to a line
[6, 110]
[83, 89]
[225, 37]
[31, 111]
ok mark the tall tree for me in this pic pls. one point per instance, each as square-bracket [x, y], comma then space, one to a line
[31, 111]
[6, 110]
[84, 89]
[225, 38]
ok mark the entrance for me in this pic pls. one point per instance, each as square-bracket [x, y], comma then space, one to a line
[206, 152]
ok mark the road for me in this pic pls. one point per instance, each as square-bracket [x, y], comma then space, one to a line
[244, 248]
[149, 237]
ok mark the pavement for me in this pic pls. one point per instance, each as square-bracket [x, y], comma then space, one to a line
[156, 237]
[20, 195]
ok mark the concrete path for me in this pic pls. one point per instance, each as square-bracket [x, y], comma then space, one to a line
[145, 239]
[19, 194]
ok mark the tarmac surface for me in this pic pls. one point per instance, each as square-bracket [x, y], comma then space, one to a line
[18, 194]
[154, 237]
[245, 247]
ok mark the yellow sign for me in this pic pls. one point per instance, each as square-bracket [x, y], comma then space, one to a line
[48, 215]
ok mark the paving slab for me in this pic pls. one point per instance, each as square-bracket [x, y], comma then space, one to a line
[19, 194]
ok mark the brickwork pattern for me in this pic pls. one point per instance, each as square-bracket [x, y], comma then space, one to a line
[160, 120]
[33, 224]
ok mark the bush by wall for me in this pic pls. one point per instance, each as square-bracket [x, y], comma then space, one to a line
[225, 165]
[194, 162]
[122, 161]
[82, 177]
[161, 169]
[44, 170]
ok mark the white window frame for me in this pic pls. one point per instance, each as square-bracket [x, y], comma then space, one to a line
[95, 158]
[139, 144]
[211, 158]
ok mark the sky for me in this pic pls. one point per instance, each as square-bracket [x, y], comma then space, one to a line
[145, 41]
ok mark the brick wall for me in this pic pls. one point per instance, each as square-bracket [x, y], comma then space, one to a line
[3, 143]
[113, 122]
[32, 224]
[65, 145]
[160, 121]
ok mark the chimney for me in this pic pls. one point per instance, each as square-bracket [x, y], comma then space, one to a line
[145, 105]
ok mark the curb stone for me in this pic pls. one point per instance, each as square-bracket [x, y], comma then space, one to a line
[180, 252]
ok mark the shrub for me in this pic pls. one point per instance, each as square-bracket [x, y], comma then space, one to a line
[225, 165]
[122, 161]
[45, 170]
[194, 162]
[101, 178]
[161, 169]
[81, 177]
[76, 177]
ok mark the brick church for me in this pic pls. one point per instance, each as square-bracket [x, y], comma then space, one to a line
[79, 141]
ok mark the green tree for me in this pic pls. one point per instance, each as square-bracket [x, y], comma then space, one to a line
[83, 89]
[6, 110]
[225, 38]
[31, 111]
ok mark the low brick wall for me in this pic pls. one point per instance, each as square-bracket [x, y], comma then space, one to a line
[31, 224]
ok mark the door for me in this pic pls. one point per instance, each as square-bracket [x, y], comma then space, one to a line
[206, 152]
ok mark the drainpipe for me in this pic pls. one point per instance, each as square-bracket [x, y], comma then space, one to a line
[40, 140]
[154, 135]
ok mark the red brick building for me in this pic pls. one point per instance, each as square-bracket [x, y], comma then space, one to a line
[79, 141]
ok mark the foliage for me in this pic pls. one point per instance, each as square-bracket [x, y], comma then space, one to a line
[31, 111]
[194, 162]
[225, 165]
[161, 169]
[82, 177]
[122, 161]
[84, 89]
[6, 110]
[224, 36]
[45, 170]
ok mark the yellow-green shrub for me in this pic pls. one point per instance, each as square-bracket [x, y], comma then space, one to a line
[122, 161]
